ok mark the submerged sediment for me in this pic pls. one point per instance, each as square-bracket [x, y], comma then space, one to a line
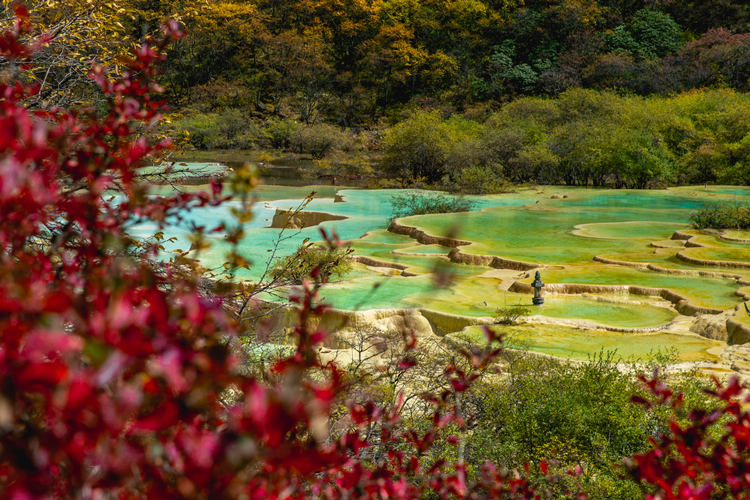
[423, 237]
[376, 263]
[455, 254]
[300, 219]
[712, 263]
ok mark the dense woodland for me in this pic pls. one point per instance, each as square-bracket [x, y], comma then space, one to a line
[350, 61]
[468, 95]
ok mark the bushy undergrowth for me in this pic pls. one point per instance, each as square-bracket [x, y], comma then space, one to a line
[475, 180]
[726, 217]
[696, 137]
[329, 262]
[510, 315]
[426, 146]
[228, 129]
[317, 140]
[278, 134]
[574, 416]
[234, 128]
[405, 205]
[577, 418]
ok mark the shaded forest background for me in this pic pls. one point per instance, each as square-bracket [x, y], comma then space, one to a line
[468, 95]
[351, 62]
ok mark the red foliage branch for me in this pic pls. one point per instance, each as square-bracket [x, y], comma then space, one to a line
[116, 376]
[709, 457]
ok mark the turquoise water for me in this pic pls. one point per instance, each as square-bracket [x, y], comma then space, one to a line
[536, 225]
[365, 211]
[511, 226]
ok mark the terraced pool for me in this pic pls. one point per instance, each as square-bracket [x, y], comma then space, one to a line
[579, 239]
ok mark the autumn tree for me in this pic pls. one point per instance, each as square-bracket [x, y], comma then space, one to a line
[79, 33]
[225, 43]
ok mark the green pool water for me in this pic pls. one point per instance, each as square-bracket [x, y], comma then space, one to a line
[703, 291]
[547, 235]
[568, 307]
[467, 298]
[666, 258]
[365, 211]
[566, 231]
[715, 241]
[651, 231]
[263, 192]
[728, 191]
[535, 225]
[425, 249]
[738, 234]
[670, 243]
[386, 237]
[582, 345]
[720, 253]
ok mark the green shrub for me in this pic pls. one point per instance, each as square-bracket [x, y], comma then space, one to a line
[425, 146]
[405, 205]
[331, 263]
[476, 180]
[417, 147]
[570, 415]
[470, 152]
[725, 217]
[694, 137]
[278, 134]
[655, 33]
[533, 163]
[229, 129]
[601, 152]
[511, 314]
[502, 144]
[580, 104]
[319, 139]
[527, 112]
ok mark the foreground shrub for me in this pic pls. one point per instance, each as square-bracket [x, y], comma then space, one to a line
[328, 262]
[703, 457]
[574, 416]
